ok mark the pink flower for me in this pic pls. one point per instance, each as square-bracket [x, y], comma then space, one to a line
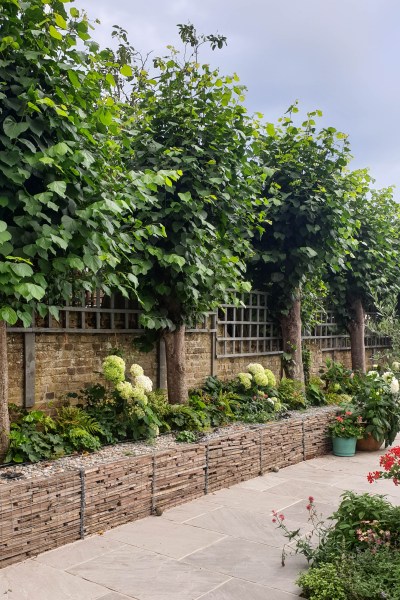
[282, 517]
[310, 499]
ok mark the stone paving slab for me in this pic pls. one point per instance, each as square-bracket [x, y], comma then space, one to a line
[222, 546]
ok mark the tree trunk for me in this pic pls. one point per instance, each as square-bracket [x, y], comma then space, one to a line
[291, 333]
[4, 416]
[356, 327]
[176, 365]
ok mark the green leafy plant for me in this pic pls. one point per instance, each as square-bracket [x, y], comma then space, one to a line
[322, 583]
[376, 399]
[186, 418]
[338, 378]
[79, 430]
[106, 408]
[34, 437]
[186, 437]
[291, 393]
[314, 392]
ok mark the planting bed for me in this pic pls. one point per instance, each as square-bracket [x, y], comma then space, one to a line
[47, 511]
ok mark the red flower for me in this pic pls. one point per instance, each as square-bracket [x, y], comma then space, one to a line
[274, 520]
[282, 517]
[310, 499]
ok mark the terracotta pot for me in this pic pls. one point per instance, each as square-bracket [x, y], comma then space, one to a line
[369, 444]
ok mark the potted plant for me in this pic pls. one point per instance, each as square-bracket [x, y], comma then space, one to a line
[345, 430]
[377, 401]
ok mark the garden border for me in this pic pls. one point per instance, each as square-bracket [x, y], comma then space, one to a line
[44, 513]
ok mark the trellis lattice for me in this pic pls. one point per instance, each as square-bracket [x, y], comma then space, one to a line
[247, 330]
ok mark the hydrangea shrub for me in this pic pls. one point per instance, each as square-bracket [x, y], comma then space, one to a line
[131, 396]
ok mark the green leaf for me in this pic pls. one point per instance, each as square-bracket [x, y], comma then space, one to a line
[22, 269]
[5, 236]
[110, 79]
[271, 129]
[60, 21]
[59, 187]
[30, 290]
[55, 33]
[126, 70]
[8, 315]
[105, 117]
[74, 79]
[12, 129]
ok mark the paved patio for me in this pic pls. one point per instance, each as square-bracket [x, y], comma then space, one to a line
[220, 547]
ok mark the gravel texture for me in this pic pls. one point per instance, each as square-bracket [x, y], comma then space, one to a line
[109, 454]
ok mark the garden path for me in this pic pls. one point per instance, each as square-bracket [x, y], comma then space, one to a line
[222, 546]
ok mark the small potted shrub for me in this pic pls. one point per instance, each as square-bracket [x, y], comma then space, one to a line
[345, 430]
[377, 401]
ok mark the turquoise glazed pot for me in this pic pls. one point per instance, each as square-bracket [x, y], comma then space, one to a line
[344, 446]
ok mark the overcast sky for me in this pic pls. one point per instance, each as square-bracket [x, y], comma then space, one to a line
[342, 56]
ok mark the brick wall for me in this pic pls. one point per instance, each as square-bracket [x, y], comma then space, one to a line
[68, 362]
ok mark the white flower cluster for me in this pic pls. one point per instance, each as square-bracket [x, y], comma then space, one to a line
[257, 374]
[144, 382]
[114, 371]
[389, 378]
[394, 386]
[245, 380]
[114, 368]
[136, 370]
[263, 377]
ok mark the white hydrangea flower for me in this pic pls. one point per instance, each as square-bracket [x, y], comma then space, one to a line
[394, 386]
[388, 376]
[255, 368]
[139, 394]
[261, 379]
[396, 366]
[271, 377]
[245, 380]
[136, 370]
[373, 374]
[114, 368]
[144, 382]
[125, 389]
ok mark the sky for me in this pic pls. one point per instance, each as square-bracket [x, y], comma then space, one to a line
[340, 56]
